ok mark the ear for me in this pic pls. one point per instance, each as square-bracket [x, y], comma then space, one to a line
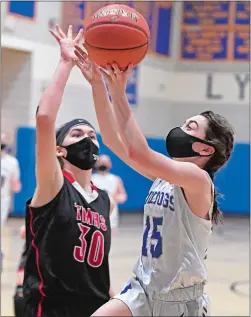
[207, 150]
[203, 149]
[61, 152]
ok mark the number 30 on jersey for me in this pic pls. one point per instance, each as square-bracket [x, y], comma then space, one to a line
[96, 249]
[152, 243]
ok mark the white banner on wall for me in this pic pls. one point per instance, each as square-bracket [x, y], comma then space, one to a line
[220, 88]
[211, 87]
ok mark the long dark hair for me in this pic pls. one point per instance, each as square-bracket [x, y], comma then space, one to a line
[221, 134]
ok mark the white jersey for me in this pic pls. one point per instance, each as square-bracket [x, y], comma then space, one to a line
[9, 169]
[109, 183]
[175, 241]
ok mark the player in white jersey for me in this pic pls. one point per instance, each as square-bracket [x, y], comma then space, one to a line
[10, 179]
[111, 183]
[10, 182]
[180, 208]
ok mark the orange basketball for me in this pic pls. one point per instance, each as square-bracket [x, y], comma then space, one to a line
[117, 34]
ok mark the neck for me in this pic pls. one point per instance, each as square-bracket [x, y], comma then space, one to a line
[81, 176]
[103, 173]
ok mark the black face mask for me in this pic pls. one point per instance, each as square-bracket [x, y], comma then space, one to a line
[179, 144]
[82, 154]
[102, 168]
[3, 146]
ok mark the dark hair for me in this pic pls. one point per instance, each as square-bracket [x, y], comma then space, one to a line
[61, 162]
[221, 134]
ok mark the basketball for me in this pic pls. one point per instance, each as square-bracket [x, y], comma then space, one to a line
[117, 34]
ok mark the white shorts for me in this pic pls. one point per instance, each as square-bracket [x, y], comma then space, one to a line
[189, 301]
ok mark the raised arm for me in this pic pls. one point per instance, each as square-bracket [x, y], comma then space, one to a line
[186, 175]
[105, 114]
[48, 173]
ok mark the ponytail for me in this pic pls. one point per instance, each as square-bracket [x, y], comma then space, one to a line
[216, 214]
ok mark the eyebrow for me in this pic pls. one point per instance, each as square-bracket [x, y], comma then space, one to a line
[80, 130]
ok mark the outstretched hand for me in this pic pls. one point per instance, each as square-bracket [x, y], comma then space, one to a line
[116, 79]
[90, 71]
[67, 43]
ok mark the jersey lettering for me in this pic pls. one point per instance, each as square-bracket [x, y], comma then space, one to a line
[96, 252]
[160, 198]
[87, 216]
[78, 209]
[79, 252]
[102, 223]
[155, 243]
[96, 221]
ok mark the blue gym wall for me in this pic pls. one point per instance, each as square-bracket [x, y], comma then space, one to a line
[233, 181]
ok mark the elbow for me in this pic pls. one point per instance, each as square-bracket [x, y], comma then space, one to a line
[123, 199]
[16, 187]
[43, 116]
[44, 119]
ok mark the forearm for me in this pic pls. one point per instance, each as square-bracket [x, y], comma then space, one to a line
[106, 117]
[16, 185]
[120, 198]
[129, 130]
[52, 96]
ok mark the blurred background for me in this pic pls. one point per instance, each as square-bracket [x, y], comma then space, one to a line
[198, 60]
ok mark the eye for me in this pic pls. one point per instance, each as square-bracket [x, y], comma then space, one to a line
[191, 126]
[76, 135]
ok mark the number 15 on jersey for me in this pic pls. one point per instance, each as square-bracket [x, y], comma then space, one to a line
[152, 237]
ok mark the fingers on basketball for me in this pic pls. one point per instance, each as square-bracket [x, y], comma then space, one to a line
[116, 70]
[128, 70]
[111, 73]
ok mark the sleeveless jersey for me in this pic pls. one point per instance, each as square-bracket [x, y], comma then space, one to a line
[174, 241]
[68, 244]
[108, 182]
